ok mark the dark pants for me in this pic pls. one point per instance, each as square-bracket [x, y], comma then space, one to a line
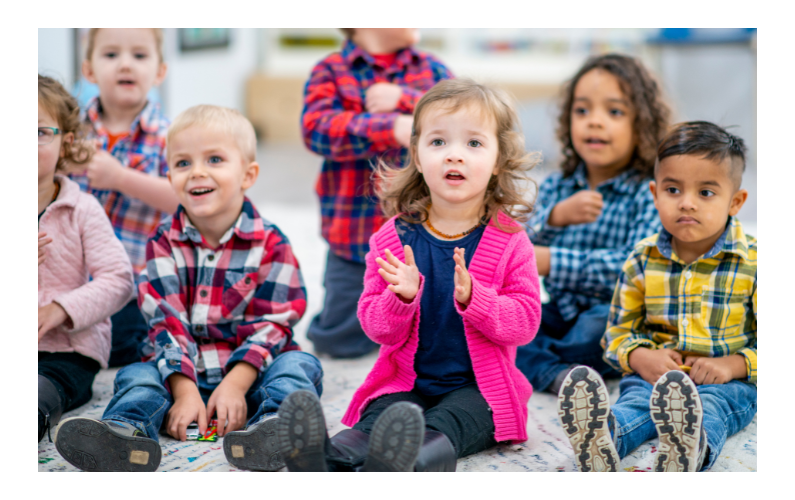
[71, 373]
[462, 415]
[128, 330]
[336, 330]
[560, 343]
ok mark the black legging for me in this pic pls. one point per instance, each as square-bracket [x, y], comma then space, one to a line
[71, 373]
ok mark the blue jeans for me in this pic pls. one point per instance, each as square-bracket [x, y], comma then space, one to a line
[728, 408]
[560, 343]
[140, 398]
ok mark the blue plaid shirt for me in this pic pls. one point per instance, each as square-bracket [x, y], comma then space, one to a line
[586, 259]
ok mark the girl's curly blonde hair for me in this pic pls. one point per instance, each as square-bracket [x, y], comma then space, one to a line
[64, 108]
[404, 191]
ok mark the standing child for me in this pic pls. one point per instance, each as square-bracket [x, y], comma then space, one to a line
[683, 316]
[75, 242]
[451, 289]
[221, 292]
[589, 217]
[127, 173]
[357, 108]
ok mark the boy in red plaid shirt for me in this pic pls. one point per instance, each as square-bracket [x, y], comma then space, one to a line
[357, 110]
[221, 292]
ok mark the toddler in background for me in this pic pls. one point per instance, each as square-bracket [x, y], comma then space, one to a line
[451, 289]
[127, 173]
[221, 293]
[75, 242]
[357, 108]
[589, 217]
[683, 320]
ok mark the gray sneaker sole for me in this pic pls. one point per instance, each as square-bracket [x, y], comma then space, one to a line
[396, 439]
[583, 407]
[255, 449]
[301, 433]
[92, 446]
[677, 413]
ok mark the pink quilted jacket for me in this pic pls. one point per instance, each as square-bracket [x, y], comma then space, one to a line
[83, 245]
[504, 313]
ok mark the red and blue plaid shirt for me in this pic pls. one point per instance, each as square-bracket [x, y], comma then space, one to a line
[335, 125]
[208, 309]
[143, 149]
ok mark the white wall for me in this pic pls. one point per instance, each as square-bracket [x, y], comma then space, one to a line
[211, 76]
[56, 57]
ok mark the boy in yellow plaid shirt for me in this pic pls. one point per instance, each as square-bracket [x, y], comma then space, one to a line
[682, 324]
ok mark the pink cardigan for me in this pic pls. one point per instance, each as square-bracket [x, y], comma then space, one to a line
[505, 312]
[83, 245]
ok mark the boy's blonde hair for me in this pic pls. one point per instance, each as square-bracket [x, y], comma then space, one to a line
[92, 38]
[227, 120]
[404, 191]
[60, 105]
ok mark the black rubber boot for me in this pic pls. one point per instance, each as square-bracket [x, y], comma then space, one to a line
[437, 454]
[348, 450]
[396, 439]
[50, 406]
[255, 448]
[98, 446]
[301, 433]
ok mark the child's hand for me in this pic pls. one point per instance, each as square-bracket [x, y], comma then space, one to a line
[104, 171]
[382, 97]
[51, 316]
[402, 129]
[462, 280]
[43, 241]
[403, 279]
[228, 400]
[188, 407]
[582, 207]
[651, 364]
[716, 370]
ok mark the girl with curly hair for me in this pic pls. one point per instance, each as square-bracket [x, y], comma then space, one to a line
[589, 216]
[450, 291]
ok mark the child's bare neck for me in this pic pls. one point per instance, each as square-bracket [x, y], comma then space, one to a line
[46, 191]
[119, 119]
[689, 252]
[597, 176]
[455, 218]
[214, 228]
[370, 43]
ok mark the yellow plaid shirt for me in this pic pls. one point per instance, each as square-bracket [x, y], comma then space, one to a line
[707, 307]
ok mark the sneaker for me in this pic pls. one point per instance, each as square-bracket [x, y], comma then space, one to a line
[396, 439]
[95, 446]
[677, 413]
[256, 447]
[583, 408]
[301, 433]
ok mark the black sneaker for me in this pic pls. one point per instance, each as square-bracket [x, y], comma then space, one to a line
[583, 408]
[301, 433]
[677, 413]
[255, 448]
[396, 439]
[96, 446]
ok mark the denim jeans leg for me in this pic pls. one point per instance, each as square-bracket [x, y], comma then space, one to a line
[128, 330]
[633, 423]
[539, 360]
[139, 398]
[582, 345]
[728, 408]
[289, 372]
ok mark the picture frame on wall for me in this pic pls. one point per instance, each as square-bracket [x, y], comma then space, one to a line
[191, 39]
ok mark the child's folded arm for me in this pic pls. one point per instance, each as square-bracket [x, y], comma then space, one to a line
[108, 265]
[538, 228]
[277, 305]
[338, 134]
[625, 322]
[411, 96]
[511, 315]
[595, 271]
[385, 318]
[750, 352]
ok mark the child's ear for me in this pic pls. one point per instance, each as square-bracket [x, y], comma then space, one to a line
[738, 200]
[67, 139]
[251, 174]
[161, 74]
[88, 71]
[653, 189]
[168, 175]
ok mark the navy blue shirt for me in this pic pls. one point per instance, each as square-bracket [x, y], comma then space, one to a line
[442, 362]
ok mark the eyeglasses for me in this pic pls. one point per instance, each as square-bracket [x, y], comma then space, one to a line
[47, 134]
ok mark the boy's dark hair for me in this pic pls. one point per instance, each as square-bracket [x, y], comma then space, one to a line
[651, 112]
[60, 105]
[348, 32]
[708, 140]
